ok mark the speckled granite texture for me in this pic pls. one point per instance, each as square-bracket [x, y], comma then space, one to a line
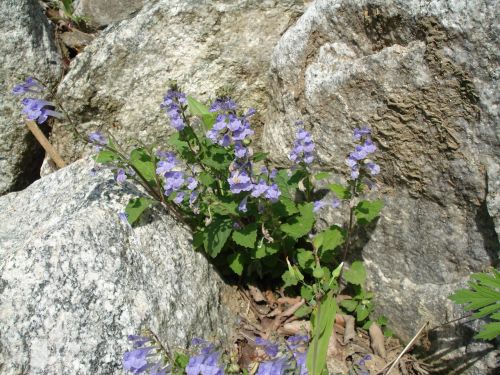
[75, 281]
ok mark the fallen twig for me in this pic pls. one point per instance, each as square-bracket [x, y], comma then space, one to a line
[44, 142]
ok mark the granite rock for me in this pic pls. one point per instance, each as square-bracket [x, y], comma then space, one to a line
[105, 12]
[27, 49]
[75, 280]
[117, 83]
[424, 76]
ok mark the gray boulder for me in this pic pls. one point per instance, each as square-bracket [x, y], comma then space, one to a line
[27, 49]
[104, 12]
[118, 82]
[424, 76]
[75, 280]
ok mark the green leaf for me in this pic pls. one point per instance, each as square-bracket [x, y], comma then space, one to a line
[331, 238]
[356, 274]
[289, 279]
[144, 164]
[136, 207]
[226, 206]
[237, 262]
[216, 235]
[217, 158]
[367, 211]
[323, 327]
[306, 292]
[181, 360]
[489, 331]
[305, 258]
[362, 312]
[246, 236]
[340, 191]
[349, 304]
[284, 207]
[209, 120]
[318, 273]
[105, 157]
[198, 238]
[303, 311]
[259, 156]
[196, 108]
[264, 249]
[206, 179]
[300, 225]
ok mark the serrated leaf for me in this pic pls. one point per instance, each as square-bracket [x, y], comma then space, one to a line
[216, 235]
[299, 225]
[206, 179]
[246, 236]
[225, 206]
[217, 158]
[303, 311]
[284, 207]
[367, 211]
[105, 156]
[356, 274]
[289, 279]
[236, 262]
[136, 207]
[318, 273]
[340, 191]
[306, 292]
[264, 249]
[328, 240]
[489, 331]
[144, 164]
[305, 258]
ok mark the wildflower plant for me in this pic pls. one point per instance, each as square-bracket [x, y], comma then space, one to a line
[252, 219]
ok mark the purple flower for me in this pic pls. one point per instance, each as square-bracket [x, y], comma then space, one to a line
[373, 168]
[243, 205]
[39, 110]
[273, 193]
[173, 181]
[359, 153]
[225, 141]
[179, 197]
[206, 362]
[192, 183]
[369, 146]
[98, 138]
[166, 165]
[318, 205]
[273, 174]
[303, 148]
[135, 361]
[259, 189]
[193, 196]
[239, 181]
[270, 348]
[123, 217]
[240, 151]
[359, 132]
[121, 176]
[172, 102]
[223, 104]
[31, 85]
[355, 172]
[138, 341]
[277, 366]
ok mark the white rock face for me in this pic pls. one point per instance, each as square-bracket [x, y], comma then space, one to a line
[104, 12]
[75, 281]
[424, 76]
[119, 81]
[27, 49]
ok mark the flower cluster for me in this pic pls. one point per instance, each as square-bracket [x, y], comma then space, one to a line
[206, 362]
[318, 205]
[291, 357]
[361, 153]
[145, 358]
[175, 180]
[37, 110]
[230, 128]
[303, 147]
[172, 102]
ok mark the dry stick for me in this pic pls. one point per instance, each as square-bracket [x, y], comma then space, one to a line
[395, 362]
[44, 142]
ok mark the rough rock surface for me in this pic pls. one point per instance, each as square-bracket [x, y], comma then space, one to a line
[27, 49]
[104, 12]
[118, 82]
[424, 76]
[75, 281]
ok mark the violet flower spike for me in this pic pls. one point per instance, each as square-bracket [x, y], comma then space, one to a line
[31, 85]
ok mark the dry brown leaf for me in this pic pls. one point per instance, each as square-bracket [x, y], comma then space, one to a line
[296, 327]
[377, 340]
[256, 294]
